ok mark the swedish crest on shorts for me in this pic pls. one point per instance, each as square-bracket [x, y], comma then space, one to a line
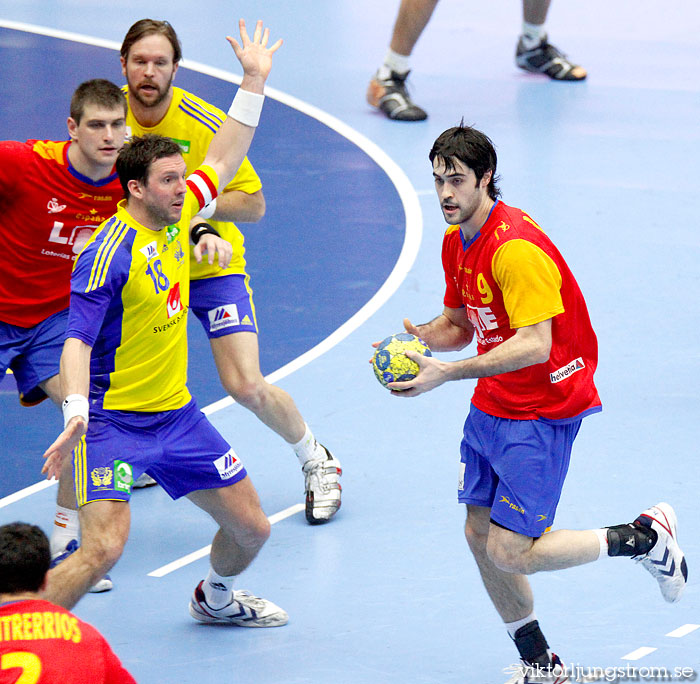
[102, 477]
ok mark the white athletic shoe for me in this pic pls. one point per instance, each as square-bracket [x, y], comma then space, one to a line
[322, 486]
[245, 610]
[527, 674]
[665, 560]
[103, 584]
[143, 480]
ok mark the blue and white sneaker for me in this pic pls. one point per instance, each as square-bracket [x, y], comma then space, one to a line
[104, 584]
[665, 560]
[245, 610]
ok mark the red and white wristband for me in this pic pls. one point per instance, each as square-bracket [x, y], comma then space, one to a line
[75, 405]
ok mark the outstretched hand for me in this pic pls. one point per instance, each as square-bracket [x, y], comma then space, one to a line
[254, 55]
[432, 373]
[62, 448]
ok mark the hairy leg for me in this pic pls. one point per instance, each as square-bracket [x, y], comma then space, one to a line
[510, 593]
[237, 360]
[412, 18]
[243, 527]
[105, 529]
[513, 552]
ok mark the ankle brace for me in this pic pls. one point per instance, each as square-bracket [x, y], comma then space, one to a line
[532, 645]
[631, 539]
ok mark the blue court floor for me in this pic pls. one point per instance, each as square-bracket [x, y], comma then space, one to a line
[388, 592]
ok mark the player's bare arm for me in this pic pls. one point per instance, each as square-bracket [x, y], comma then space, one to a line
[236, 206]
[231, 142]
[450, 331]
[75, 381]
[240, 207]
[529, 346]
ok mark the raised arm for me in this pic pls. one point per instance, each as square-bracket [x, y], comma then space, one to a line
[231, 142]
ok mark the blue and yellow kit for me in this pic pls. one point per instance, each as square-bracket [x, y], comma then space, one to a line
[191, 122]
[129, 299]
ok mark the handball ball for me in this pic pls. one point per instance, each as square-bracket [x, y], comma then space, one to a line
[389, 362]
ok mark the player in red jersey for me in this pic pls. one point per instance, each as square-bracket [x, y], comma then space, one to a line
[53, 195]
[508, 285]
[40, 642]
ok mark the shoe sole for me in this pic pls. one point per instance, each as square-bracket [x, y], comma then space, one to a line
[101, 586]
[206, 619]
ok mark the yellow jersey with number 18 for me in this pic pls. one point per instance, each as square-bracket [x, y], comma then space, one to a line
[191, 123]
[129, 299]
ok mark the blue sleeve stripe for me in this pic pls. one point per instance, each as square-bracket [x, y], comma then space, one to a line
[103, 258]
[212, 125]
[203, 111]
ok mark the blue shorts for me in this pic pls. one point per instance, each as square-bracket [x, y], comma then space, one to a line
[224, 305]
[180, 449]
[33, 354]
[516, 468]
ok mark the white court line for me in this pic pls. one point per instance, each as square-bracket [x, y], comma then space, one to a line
[683, 631]
[407, 194]
[204, 551]
[639, 653]
[27, 491]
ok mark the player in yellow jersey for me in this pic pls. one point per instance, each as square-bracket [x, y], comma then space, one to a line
[222, 298]
[126, 349]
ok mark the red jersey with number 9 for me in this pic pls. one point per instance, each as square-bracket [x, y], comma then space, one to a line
[511, 275]
[41, 643]
[48, 210]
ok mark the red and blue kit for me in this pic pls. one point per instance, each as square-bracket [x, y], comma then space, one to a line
[510, 275]
[49, 211]
[43, 643]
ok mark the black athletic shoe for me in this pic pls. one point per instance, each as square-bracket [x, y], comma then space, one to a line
[547, 59]
[390, 96]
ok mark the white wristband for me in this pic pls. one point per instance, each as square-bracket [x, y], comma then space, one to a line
[246, 107]
[208, 210]
[75, 405]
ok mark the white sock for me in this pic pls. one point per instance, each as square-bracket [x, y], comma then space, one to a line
[217, 589]
[65, 528]
[307, 448]
[532, 35]
[394, 62]
[513, 627]
[602, 535]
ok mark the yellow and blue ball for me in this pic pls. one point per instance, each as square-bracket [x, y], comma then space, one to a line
[391, 364]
